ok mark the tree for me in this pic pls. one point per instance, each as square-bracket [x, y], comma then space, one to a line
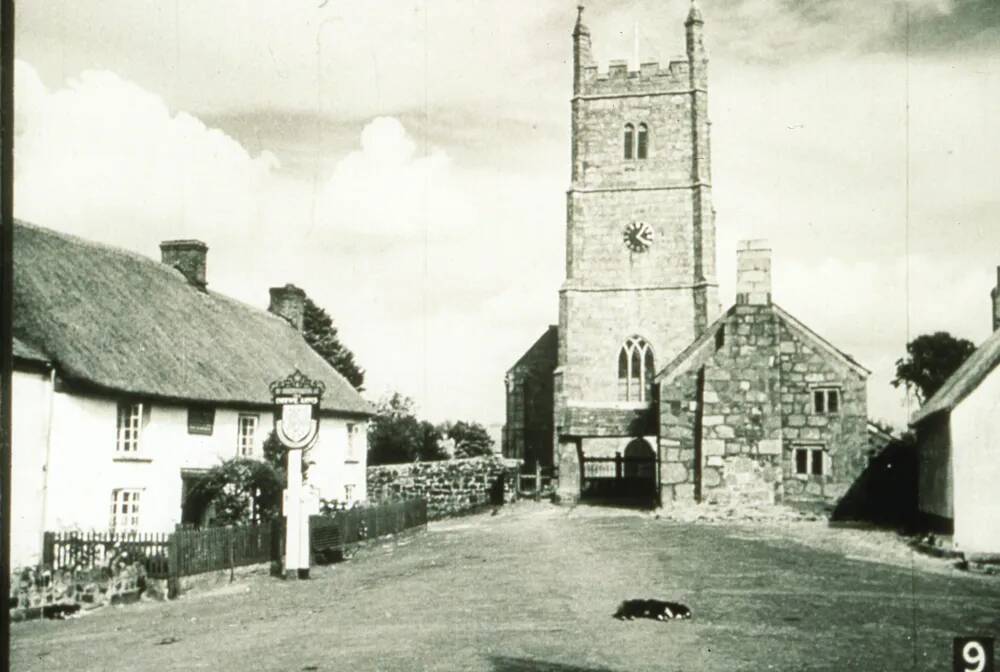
[931, 359]
[396, 435]
[321, 335]
[471, 438]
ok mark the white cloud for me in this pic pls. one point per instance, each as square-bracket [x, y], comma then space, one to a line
[104, 158]
[423, 267]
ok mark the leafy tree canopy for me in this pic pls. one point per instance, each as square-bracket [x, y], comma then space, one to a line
[321, 335]
[471, 438]
[396, 435]
[930, 360]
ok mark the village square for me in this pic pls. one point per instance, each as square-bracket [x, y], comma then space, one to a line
[689, 463]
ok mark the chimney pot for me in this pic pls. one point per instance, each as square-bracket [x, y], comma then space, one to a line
[289, 302]
[187, 256]
[753, 272]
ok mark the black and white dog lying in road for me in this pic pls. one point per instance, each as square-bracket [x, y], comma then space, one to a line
[657, 609]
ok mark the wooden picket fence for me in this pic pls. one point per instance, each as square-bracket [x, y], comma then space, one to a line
[185, 552]
[367, 522]
[67, 550]
[208, 550]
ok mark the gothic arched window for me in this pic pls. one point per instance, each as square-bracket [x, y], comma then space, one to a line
[635, 370]
[642, 149]
[629, 140]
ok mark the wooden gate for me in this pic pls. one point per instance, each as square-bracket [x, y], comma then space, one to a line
[620, 477]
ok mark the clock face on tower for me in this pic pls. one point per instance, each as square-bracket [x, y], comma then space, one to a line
[638, 236]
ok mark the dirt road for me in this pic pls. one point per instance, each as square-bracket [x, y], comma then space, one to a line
[533, 589]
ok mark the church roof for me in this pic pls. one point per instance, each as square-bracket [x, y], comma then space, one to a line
[703, 347]
[112, 320]
[964, 381]
[545, 348]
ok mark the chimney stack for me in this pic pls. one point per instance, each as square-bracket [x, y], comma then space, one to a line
[995, 295]
[188, 257]
[753, 273]
[289, 302]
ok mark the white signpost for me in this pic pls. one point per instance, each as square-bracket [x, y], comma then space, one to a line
[297, 399]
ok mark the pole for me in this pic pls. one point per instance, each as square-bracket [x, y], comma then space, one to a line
[293, 516]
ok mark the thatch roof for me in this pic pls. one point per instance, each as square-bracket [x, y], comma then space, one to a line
[25, 353]
[117, 321]
[966, 378]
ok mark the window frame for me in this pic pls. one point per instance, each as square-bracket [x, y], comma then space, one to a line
[128, 436]
[815, 455]
[241, 443]
[821, 398]
[132, 499]
[636, 387]
[351, 456]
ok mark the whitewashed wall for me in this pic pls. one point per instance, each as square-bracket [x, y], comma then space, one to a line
[975, 430]
[29, 424]
[84, 468]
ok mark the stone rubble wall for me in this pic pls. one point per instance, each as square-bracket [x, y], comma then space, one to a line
[450, 486]
[757, 409]
[34, 590]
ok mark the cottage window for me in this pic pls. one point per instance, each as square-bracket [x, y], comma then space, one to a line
[635, 370]
[352, 442]
[201, 420]
[642, 148]
[826, 401]
[349, 493]
[130, 422]
[124, 510]
[809, 461]
[247, 435]
[629, 140]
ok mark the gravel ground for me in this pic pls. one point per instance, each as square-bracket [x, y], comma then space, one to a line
[533, 589]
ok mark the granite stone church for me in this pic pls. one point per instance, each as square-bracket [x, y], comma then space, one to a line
[646, 388]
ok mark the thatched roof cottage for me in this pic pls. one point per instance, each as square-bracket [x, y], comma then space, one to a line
[132, 377]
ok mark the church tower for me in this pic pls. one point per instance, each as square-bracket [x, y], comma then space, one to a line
[640, 234]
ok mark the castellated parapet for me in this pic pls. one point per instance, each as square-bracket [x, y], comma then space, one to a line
[651, 78]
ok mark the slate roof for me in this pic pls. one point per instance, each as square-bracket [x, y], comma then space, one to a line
[699, 350]
[965, 379]
[117, 321]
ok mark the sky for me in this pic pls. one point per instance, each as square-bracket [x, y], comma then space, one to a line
[406, 163]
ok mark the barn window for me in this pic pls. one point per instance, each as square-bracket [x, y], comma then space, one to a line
[826, 400]
[635, 370]
[629, 140]
[642, 148]
[810, 461]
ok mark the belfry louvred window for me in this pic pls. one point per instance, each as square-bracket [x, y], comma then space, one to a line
[636, 369]
[629, 141]
[642, 144]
